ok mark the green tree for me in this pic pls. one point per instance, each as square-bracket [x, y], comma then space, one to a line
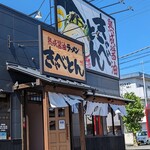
[134, 114]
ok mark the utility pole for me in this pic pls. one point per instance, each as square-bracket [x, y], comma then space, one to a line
[144, 84]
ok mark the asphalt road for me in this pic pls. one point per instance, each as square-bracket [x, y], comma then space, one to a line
[142, 147]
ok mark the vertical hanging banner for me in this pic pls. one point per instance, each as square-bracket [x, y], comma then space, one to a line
[61, 56]
[147, 112]
[82, 21]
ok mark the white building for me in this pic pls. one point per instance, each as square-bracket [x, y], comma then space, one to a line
[140, 85]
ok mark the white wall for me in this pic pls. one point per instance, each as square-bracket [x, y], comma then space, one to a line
[135, 86]
[129, 140]
[116, 120]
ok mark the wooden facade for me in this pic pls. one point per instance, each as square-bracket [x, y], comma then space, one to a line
[27, 90]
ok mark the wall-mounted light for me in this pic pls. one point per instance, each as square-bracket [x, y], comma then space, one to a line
[37, 14]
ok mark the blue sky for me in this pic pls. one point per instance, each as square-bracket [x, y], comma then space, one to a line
[133, 27]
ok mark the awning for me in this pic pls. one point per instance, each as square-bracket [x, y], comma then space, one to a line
[71, 99]
[100, 109]
[58, 100]
[119, 109]
[36, 73]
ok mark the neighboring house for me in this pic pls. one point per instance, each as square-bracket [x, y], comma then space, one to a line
[134, 82]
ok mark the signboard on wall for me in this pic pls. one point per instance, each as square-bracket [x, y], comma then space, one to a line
[3, 135]
[82, 21]
[61, 56]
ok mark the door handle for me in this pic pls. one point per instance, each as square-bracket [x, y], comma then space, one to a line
[67, 132]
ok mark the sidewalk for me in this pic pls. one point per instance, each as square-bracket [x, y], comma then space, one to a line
[144, 147]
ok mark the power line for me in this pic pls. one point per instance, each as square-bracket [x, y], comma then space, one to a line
[133, 59]
[98, 2]
[119, 2]
[132, 54]
[136, 55]
[131, 66]
[127, 9]
[141, 11]
[90, 1]
[124, 56]
[41, 5]
[37, 11]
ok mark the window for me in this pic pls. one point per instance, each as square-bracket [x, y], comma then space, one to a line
[52, 125]
[140, 85]
[51, 112]
[61, 112]
[4, 118]
[142, 133]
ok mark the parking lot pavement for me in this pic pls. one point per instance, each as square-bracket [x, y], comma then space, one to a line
[142, 147]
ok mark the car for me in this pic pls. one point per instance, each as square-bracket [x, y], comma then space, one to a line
[142, 137]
